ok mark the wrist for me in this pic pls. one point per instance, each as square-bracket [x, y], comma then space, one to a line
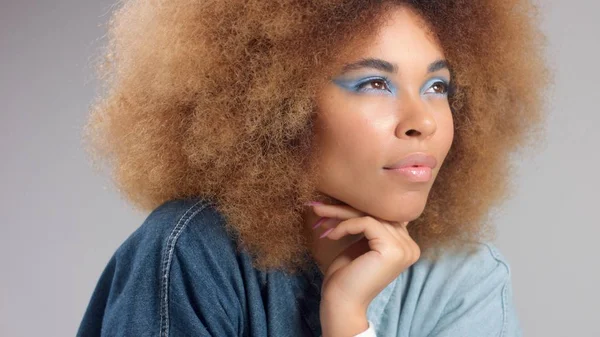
[338, 320]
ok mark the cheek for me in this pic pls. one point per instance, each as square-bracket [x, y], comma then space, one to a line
[447, 129]
[352, 134]
[346, 145]
[351, 151]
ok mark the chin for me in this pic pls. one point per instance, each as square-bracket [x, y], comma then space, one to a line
[404, 207]
[401, 215]
[398, 211]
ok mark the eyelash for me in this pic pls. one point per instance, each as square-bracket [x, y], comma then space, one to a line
[385, 81]
[445, 88]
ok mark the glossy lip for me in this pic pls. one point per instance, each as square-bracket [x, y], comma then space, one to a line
[414, 174]
[415, 159]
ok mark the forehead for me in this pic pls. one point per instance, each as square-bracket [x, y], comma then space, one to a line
[401, 37]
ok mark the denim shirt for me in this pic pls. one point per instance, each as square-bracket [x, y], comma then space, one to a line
[181, 274]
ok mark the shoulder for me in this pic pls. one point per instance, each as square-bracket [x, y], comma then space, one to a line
[468, 291]
[185, 238]
[475, 258]
[172, 218]
[467, 271]
[182, 225]
[168, 271]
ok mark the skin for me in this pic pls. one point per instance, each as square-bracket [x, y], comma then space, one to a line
[369, 118]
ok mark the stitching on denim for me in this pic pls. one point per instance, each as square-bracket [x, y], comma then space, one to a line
[497, 257]
[504, 288]
[166, 266]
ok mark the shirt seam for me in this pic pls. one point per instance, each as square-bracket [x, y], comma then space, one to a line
[495, 255]
[166, 264]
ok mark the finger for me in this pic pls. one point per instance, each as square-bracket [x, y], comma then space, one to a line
[343, 212]
[366, 225]
[409, 243]
[379, 238]
[392, 229]
[319, 222]
[398, 230]
[397, 225]
[401, 227]
[401, 230]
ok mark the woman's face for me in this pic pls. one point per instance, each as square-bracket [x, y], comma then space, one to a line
[389, 101]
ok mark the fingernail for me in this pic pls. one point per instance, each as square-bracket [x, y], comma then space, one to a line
[318, 223]
[312, 203]
[326, 232]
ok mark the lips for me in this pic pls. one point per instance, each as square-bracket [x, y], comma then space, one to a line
[418, 159]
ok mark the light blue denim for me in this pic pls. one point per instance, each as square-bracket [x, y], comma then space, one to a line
[180, 274]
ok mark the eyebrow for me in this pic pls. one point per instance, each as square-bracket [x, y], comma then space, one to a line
[386, 66]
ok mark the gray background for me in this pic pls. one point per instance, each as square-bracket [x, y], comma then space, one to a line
[61, 220]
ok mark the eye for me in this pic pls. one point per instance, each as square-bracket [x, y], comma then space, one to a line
[374, 84]
[439, 87]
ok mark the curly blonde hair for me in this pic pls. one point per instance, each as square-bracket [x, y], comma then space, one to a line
[216, 100]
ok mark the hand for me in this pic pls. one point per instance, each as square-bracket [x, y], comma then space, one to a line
[363, 270]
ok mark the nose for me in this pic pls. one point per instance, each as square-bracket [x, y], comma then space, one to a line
[415, 119]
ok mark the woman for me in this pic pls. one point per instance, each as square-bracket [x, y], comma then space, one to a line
[288, 151]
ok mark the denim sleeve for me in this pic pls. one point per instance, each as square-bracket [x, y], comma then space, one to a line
[157, 283]
[482, 305]
[205, 287]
